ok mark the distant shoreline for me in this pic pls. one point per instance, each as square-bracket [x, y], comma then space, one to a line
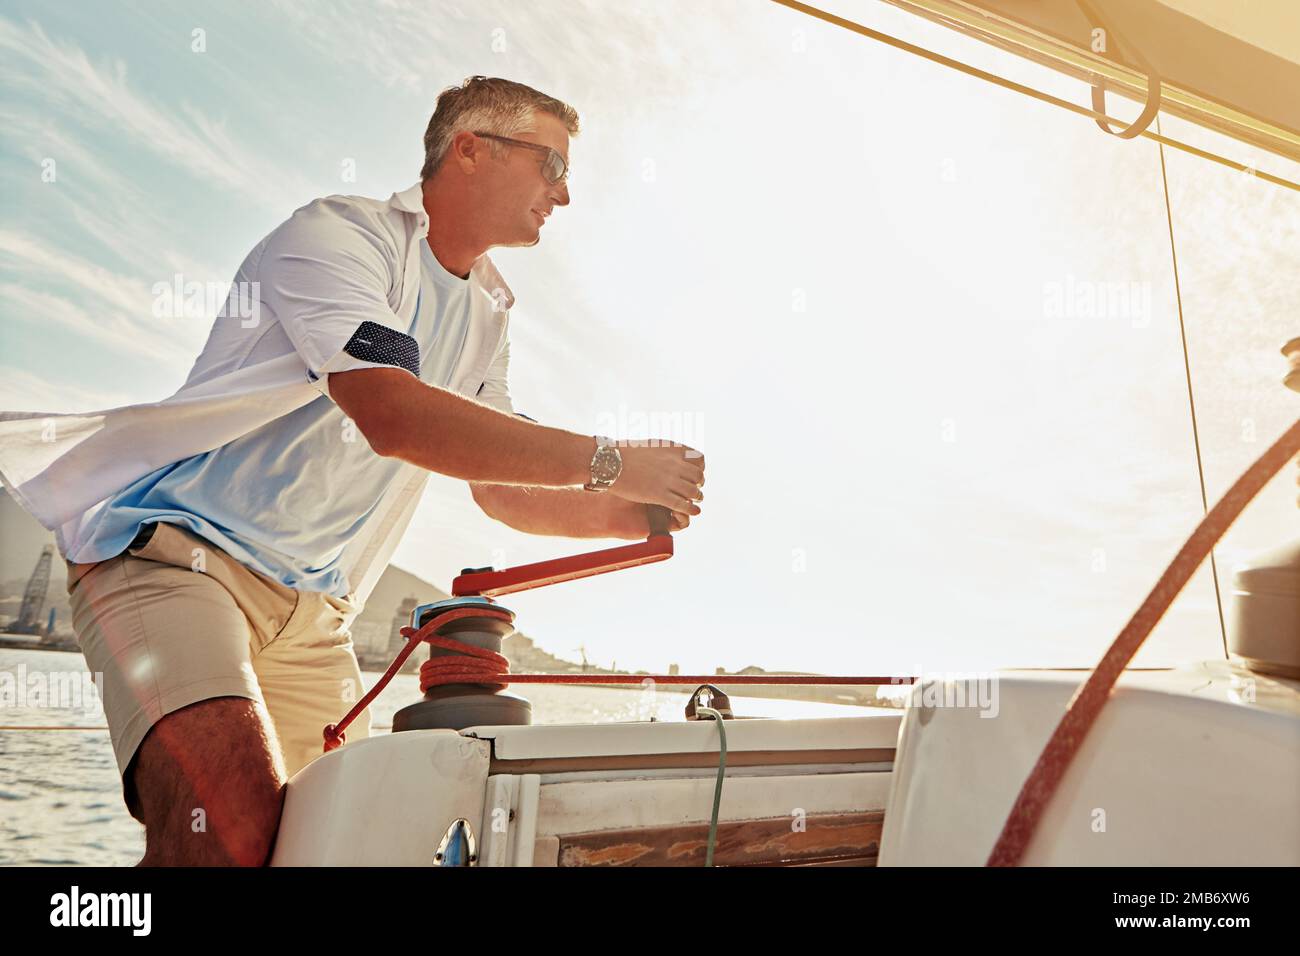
[811, 694]
[854, 697]
[34, 642]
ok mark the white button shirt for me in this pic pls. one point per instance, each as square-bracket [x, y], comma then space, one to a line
[337, 263]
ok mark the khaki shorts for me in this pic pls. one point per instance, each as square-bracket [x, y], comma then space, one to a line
[178, 621]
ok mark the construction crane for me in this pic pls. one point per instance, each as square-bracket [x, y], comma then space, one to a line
[38, 587]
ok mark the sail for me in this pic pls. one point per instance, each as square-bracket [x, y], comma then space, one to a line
[1234, 68]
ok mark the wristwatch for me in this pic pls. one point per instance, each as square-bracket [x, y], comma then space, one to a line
[606, 465]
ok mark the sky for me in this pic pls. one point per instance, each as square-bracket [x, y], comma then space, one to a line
[924, 330]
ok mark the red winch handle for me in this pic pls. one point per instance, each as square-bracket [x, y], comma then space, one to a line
[487, 582]
[490, 582]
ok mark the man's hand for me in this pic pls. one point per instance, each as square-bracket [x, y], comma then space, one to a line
[631, 520]
[568, 512]
[660, 472]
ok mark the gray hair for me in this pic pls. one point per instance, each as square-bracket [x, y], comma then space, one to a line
[492, 105]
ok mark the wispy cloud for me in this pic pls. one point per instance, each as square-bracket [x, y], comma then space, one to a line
[114, 310]
[105, 204]
[393, 47]
[24, 391]
[31, 256]
[50, 74]
[104, 328]
[412, 47]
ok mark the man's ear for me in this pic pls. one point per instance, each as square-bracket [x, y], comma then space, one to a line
[467, 150]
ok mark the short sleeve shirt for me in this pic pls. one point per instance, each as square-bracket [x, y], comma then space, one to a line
[287, 498]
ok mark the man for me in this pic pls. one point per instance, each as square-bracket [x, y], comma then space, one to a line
[220, 543]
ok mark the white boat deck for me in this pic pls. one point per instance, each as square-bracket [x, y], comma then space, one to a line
[555, 741]
[1186, 765]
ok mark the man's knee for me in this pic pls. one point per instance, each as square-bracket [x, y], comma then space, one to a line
[209, 782]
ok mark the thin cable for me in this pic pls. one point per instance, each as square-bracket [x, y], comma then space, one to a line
[1191, 402]
[717, 788]
[993, 78]
[43, 727]
[490, 669]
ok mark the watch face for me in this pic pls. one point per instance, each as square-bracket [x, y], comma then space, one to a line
[606, 465]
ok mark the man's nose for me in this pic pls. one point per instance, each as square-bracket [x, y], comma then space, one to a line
[560, 194]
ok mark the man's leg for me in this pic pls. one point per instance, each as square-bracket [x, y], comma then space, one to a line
[209, 782]
[309, 678]
[196, 748]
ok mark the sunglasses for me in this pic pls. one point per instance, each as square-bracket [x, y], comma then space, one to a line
[554, 168]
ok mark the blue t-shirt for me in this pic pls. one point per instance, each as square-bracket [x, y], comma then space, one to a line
[286, 498]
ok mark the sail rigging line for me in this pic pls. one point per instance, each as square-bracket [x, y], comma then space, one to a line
[46, 727]
[1086, 704]
[993, 78]
[1191, 401]
[480, 666]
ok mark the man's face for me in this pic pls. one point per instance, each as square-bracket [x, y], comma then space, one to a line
[519, 197]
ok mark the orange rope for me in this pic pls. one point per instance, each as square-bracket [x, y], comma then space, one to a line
[477, 665]
[333, 733]
[1088, 701]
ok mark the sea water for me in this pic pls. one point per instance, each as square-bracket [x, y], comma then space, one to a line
[61, 796]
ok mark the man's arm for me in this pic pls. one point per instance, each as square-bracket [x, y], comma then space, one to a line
[403, 417]
[436, 429]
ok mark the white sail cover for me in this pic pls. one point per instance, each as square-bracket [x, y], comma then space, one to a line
[1234, 67]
